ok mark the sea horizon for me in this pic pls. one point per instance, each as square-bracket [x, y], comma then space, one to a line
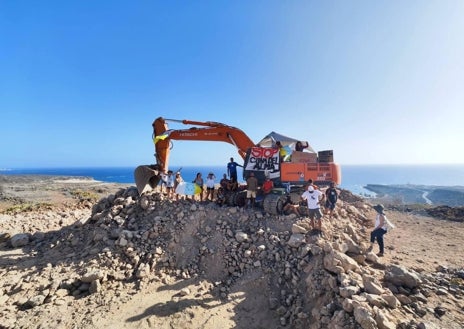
[354, 177]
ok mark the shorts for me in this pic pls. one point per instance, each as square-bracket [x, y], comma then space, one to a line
[251, 194]
[314, 214]
[329, 205]
[210, 188]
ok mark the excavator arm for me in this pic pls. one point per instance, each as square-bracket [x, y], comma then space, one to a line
[209, 131]
[149, 176]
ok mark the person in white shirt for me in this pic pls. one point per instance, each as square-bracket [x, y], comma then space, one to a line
[170, 181]
[314, 199]
[379, 230]
[210, 182]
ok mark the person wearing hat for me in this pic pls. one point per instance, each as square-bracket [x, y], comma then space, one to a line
[314, 199]
[379, 230]
[210, 183]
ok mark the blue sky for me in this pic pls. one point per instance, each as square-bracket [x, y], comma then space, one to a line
[379, 82]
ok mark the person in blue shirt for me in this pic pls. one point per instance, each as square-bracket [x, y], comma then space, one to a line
[232, 170]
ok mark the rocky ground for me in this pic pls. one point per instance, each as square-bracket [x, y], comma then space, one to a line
[76, 253]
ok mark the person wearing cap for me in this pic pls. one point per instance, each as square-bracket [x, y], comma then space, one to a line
[314, 199]
[252, 187]
[210, 183]
[379, 230]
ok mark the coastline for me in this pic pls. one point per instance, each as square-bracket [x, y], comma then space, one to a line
[41, 188]
[52, 189]
[452, 196]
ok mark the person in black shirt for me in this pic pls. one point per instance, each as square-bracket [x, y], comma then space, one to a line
[331, 198]
[300, 147]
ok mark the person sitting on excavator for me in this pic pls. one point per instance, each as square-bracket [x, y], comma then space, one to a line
[268, 185]
[221, 196]
[225, 183]
[284, 152]
[232, 170]
[300, 147]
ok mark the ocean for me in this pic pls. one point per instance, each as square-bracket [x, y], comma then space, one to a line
[354, 177]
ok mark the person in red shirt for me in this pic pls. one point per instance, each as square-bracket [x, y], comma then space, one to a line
[268, 185]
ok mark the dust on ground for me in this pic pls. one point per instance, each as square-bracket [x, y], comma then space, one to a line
[419, 242]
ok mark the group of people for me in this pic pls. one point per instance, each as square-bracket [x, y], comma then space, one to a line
[315, 199]
[170, 182]
[313, 196]
[284, 152]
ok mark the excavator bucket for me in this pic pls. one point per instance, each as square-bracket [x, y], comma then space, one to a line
[146, 178]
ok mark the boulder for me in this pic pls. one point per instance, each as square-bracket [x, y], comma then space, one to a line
[19, 240]
[401, 276]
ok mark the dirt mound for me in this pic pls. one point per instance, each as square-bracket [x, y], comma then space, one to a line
[272, 271]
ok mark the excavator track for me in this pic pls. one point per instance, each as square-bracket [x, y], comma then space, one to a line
[273, 203]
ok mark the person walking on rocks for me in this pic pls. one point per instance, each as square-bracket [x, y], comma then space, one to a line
[379, 230]
[252, 187]
[314, 199]
[331, 196]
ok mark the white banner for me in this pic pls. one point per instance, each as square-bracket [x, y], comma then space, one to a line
[264, 159]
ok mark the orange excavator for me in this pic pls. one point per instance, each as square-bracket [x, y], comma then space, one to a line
[286, 168]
